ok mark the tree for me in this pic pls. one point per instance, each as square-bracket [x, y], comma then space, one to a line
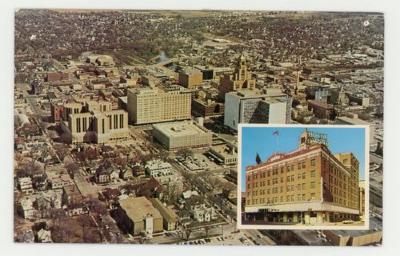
[61, 151]
[171, 193]
[207, 229]
[96, 206]
[72, 168]
[333, 115]
[163, 155]
[188, 230]
[185, 153]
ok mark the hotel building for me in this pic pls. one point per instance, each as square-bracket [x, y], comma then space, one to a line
[309, 185]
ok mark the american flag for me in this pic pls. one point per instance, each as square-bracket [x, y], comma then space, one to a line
[276, 133]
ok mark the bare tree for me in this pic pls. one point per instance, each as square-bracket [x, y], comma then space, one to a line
[188, 231]
[185, 153]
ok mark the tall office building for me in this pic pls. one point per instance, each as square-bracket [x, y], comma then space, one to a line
[309, 185]
[153, 105]
[248, 106]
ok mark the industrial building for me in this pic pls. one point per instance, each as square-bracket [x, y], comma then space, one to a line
[170, 219]
[309, 185]
[138, 215]
[153, 105]
[183, 134]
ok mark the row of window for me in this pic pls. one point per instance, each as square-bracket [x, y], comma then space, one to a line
[276, 170]
[281, 199]
[275, 190]
[276, 180]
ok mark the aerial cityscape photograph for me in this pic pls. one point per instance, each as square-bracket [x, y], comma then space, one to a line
[312, 177]
[126, 127]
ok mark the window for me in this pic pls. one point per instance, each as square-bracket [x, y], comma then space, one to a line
[312, 184]
[303, 186]
[303, 175]
[121, 121]
[303, 164]
[299, 165]
[84, 124]
[312, 162]
[299, 176]
[312, 173]
[292, 178]
[312, 195]
[115, 121]
[304, 197]
[78, 125]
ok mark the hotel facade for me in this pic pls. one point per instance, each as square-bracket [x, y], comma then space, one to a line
[309, 185]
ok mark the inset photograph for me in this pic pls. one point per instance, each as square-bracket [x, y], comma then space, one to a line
[303, 176]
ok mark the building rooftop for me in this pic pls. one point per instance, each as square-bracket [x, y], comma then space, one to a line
[320, 104]
[137, 208]
[178, 129]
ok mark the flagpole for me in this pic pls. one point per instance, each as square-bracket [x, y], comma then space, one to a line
[277, 142]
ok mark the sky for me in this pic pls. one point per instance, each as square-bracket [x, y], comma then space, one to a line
[262, 141]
